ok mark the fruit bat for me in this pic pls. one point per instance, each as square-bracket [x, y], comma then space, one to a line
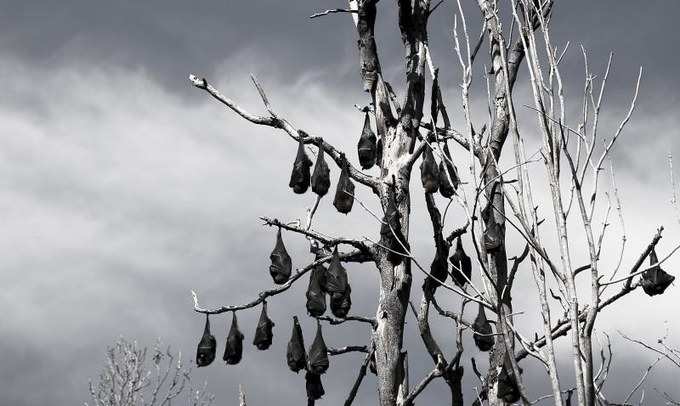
[321, 179]
[299, 177]
[439, 269]
[367, 145]
[341, 302]
[507, 384]
[445, 187]
[336, 277]
[656, 280]
[390, 232]
[234, 348]
[263, 332]
[281, 266]
[493, 237]
[450, 167]
[317, 357]
[207, 347]
[295, 354]
[316, 296]
[344, 193]
[462, 265]
[429, 171]
[484, 340]
[314, 387]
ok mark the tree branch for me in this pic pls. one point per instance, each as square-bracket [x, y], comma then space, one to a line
[360, 378]
[346, 349]
[275, 122]
[325, 240]
[332, 11]
[435, 373]
[562, 326]
[335, 321]
[355, 256]
[450, 133]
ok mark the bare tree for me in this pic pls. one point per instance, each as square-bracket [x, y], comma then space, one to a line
[131, 378]
[496, 202]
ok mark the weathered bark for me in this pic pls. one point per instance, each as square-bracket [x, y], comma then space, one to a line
[497, 261]
[396, 136]
[498, 270]
[395, 288]
[504, 80]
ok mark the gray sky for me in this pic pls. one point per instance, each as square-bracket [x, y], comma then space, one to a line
[123, 188]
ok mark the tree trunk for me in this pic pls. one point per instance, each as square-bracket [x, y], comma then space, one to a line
[388, 336]
[395, 279]
[497, 261]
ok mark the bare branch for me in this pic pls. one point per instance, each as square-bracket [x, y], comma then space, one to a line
[435, 373]
[662, 352]
[325, 240]
[642, 380]
[332, 11]
[335, 321]
[355, 256]
[360, 378]
[346, 349]
[449, 133]
[563, 326]
[652, 266]
[275, 122]
[516, 263]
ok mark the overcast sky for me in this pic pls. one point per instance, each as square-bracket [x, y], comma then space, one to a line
[122, 187]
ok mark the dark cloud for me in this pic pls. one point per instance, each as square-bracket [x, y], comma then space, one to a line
[123, 188]
[171, 38]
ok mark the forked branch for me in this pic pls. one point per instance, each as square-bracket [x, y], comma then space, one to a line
[274, 121]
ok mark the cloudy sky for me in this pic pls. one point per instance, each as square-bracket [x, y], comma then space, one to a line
[123, 187]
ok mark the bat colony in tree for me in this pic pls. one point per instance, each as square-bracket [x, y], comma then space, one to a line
[494, 203]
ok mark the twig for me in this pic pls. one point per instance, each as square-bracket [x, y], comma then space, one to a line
[332, 11]
[360, 378]
[327, 241]
[435, 373]
[649, 347]
[347, 349]
[642, 380]
[335, 321]
[652, 266]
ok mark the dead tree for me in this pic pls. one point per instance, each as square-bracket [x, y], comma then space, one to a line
[134, 376]
[496, 201]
